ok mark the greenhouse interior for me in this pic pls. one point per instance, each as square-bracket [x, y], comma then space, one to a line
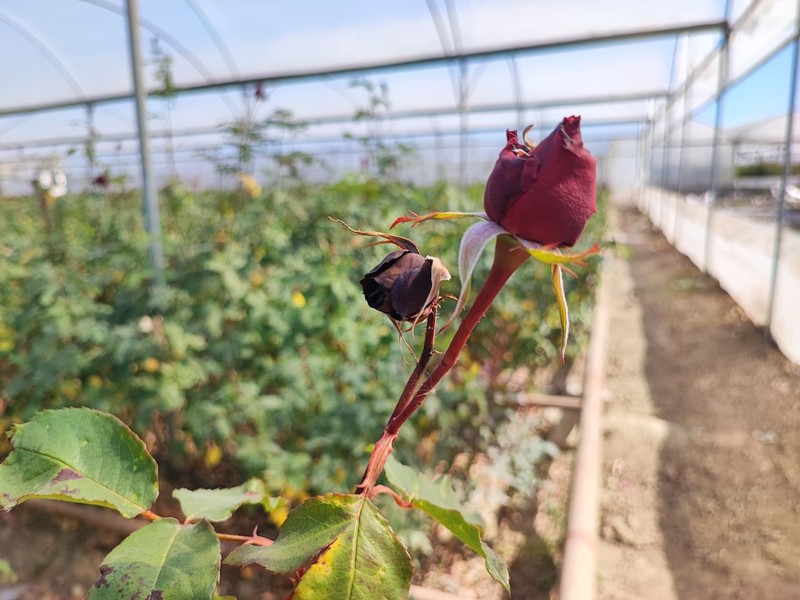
[206, 206]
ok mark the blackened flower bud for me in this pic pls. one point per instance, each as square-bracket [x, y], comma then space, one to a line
[404, 285]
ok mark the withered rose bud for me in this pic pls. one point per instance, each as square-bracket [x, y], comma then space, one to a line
[404, 285]
[545, 193]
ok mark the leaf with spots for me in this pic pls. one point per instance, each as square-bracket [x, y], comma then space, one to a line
[438, 500]
[162, 561]
[79, 455]
[340, 546]
[219, 504]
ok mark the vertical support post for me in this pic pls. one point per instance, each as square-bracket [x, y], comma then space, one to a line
[787, 170]
[149, 193]
[684, 121]
[651, 143]
[441, 168]
[516, 91]
[463, 84]
[722, 83]
[664, 161]
[665, 154]
[682, 133]
[89, 146]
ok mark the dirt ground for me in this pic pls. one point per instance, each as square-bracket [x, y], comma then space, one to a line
[701, 495]
[701, 491]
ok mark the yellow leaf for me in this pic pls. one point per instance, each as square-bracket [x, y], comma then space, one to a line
[298, 299]
[213, 456]
[151, 365]
[279, 515]
[250, 185]
[257, 278]
[70, 388]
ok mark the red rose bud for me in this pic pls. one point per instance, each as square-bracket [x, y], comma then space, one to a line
[261, 93]
[545, 193]
[404, 285]
[101, 181]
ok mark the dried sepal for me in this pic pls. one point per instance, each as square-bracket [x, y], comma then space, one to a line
[416, 219]
[387, 238]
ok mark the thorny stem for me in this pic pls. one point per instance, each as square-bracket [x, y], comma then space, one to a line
[230, 537]
[383, 447]
[508, 257]
[425, 356]
[256, 540]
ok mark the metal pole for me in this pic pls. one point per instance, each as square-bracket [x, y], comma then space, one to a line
[90, 146]
[516, 91]
[651, 143]
[722, 81]
[667, 134]
[787, 169]
[664, 161]
[684, 121]
[462, 114]
[149, 193]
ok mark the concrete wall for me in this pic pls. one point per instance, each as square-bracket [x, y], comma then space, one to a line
[740, 258]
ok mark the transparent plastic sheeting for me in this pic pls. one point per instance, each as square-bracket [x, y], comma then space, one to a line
[77, 49]
[761, 31]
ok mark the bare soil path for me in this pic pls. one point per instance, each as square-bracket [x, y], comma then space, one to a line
[701, 495]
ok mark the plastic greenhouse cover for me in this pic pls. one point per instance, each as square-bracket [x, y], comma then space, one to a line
[76, 51]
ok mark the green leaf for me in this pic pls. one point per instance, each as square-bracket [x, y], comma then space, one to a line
[219, 504]
[438, 500]
[79, 455]
[347, 547]
[164, 560]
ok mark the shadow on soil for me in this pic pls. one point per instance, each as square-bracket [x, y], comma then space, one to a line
[728, 503]
[533, 572]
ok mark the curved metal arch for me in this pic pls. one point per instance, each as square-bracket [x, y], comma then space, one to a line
[16, 123]
[215, 36]
[163, 34]
[49, 54]
[173, 43]
[447, 44]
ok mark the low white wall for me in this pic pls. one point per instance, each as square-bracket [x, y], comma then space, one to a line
[740, 258]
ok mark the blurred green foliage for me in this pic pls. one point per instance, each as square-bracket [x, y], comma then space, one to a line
[260, 348]
[765, 169]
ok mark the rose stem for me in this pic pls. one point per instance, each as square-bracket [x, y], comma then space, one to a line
[405, 397]
[508, 257]
[424, 357]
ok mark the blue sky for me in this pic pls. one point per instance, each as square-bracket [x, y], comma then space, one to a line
[763, 94]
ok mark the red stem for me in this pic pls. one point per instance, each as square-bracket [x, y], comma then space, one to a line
[427, 351]
[508, 257]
